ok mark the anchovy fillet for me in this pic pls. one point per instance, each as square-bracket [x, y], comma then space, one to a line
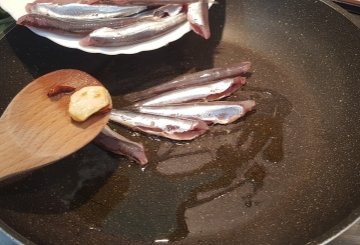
[118, 144]
[192, 79]
[219, 112]
[169, 127]
[143, 2]
[198, 16]
[206, 92]
[136, 33]
[120, 2]
[75, 26]
[170, 10]
[78, 11]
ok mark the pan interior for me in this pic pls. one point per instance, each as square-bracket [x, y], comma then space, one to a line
[284, 174]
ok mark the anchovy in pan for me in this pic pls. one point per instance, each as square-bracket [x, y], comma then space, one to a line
[118, 144]
[205, 92]
[169, 127]
[192, 79]
[219, 112]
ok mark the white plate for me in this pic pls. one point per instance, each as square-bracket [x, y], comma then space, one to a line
[16, 8]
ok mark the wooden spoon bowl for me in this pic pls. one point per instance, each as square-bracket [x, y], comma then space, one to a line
[36, 130]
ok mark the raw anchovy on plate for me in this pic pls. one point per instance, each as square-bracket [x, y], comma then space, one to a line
[68, 26]
[135, 33]
[83, 11]
[169, 127]
[109, 32]
[119, 2]
[87, 25]
[118, 144]
[206, 92]
[198, 16]
[192, 79]
[143, 2]
[219, 112]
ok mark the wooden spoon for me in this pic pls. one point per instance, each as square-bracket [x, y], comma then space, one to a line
[36, 130]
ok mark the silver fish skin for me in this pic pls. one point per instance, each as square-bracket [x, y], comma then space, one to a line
[219, 112]
[75, 27]
[207, 92]
[198, 16]
[143, 2]
[169, 127]
[133, 34]
[120, 2]
[112, 141]
[76, 11]
[64, 1]
[168, 10]
[193, 79]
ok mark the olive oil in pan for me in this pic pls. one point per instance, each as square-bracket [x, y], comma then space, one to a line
[150, 204]
[119, 200]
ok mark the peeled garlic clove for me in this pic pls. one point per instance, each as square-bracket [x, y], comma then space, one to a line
[87, 101]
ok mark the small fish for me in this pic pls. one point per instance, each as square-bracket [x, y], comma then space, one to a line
[169, 127]
[168, 10]
[76, 11]
[75, 27]
[65, 1]
[206, 92]
[219, 112]
[120, 2]
[135, 33]
[143, 2]
[192, 79]
[118, 144]
[198, 16]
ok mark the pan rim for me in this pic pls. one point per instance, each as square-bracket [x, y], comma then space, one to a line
[342, 231]
[10, 236]
[351, 17]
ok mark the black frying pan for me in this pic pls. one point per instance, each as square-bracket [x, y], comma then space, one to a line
[287, 173]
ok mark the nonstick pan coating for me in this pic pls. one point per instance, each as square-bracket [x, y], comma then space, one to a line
[288, 173]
